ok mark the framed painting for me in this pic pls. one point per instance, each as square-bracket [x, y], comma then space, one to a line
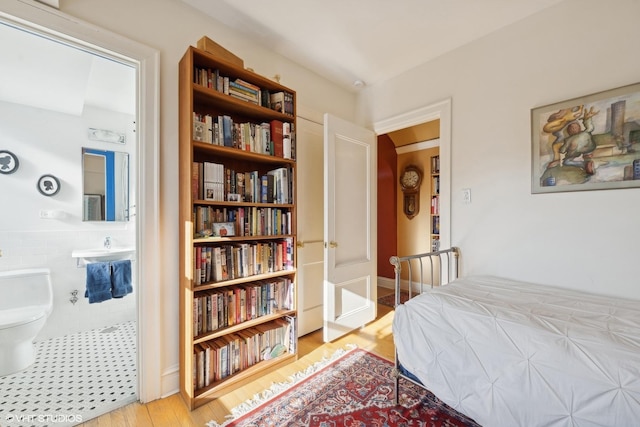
[587, 143]
[224, 229]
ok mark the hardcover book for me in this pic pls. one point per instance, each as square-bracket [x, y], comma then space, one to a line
[287, 147]
[277, 138]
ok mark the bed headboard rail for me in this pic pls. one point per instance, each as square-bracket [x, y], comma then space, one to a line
[439, 268]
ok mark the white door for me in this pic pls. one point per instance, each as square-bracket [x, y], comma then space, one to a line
[309, 151]
[350, 276]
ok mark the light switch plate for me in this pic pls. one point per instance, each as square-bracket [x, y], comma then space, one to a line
[466, 196]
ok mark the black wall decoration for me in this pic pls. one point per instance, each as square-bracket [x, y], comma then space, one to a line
[8, 162]
[48, 185]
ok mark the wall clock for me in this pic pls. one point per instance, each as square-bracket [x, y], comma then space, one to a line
[410, 181]
[8, 162]
[48, 185]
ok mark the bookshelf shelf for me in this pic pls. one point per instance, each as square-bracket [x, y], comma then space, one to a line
[232, 282]
[240, 238]
[244, 325]
[219, 388]
[241, 204]
[203, 95]
[235, 153]
[237, 174]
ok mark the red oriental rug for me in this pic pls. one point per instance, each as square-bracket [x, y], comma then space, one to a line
[354, 389]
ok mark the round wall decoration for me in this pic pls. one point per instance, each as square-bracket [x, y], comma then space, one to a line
[8, 162]
[48, 185]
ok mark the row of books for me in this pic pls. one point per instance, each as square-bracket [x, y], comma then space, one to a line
[435, 164]
[238, 88]
[280, 101]
[435, 225]
[233, 261]
[435, 205]
[275, 138]
[435, 185]
[435, 243]
[247, 221]
[214, 182]
[218, 309]
[218, 359]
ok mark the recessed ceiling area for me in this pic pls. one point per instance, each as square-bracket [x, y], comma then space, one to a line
[42, 73]
[418, 133]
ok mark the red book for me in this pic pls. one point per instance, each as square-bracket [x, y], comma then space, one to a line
[277, 138]
[196, 187]
[198, 265]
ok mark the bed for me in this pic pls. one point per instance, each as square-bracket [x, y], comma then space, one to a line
[510, 353]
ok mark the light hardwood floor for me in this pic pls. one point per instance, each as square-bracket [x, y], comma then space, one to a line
[172, 411]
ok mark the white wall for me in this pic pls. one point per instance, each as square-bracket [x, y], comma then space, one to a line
[170, 26]
[584, 240]
[47, 142]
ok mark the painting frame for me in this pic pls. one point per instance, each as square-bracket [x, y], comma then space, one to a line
[587, 143]
[223, 229]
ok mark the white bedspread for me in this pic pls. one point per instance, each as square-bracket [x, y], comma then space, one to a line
[511, 354]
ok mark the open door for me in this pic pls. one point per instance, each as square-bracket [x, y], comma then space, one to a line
[310, 228]
[350, 272]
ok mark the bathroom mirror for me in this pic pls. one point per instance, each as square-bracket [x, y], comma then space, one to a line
[105, 177]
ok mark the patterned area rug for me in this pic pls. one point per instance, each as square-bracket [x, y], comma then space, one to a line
[389, 300]
[354, 389]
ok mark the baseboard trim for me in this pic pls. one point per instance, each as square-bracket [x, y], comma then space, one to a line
[385, 282]
[170, 383]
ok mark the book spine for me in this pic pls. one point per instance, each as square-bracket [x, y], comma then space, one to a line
[238, 87]
[277, 138]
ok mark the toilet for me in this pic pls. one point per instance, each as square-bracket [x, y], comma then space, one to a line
[26, 300]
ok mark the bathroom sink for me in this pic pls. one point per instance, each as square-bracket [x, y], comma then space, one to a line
[103, 254]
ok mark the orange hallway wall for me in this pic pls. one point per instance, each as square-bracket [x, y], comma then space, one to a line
[413, 235]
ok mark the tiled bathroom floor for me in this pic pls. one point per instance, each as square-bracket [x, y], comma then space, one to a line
[75, 378]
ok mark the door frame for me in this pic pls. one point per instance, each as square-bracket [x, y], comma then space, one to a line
[40, 18]
[442, 111]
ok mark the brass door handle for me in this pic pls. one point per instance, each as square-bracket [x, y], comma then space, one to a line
[332, 244]
[301, 243]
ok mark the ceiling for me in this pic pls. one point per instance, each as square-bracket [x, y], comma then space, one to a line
[42, 73]
[343, 40]
[349, 41]
[418, 133]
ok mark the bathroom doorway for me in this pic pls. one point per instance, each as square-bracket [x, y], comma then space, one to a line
[49, 141]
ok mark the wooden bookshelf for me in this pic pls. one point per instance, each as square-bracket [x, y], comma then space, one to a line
[233, 326]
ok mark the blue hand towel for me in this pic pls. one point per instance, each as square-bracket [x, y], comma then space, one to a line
[98, 282]
[121, 278]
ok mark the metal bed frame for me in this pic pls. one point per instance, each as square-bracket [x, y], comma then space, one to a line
[443, 266]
